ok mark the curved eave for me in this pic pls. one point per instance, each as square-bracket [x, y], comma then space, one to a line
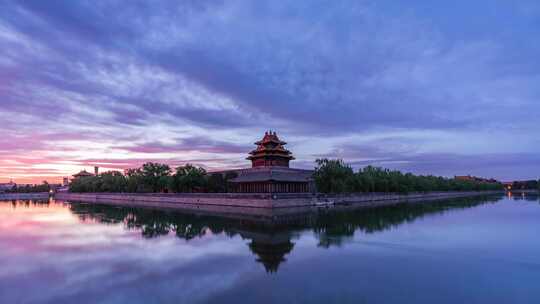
[270, 152]
[289, 157]
[262, 142]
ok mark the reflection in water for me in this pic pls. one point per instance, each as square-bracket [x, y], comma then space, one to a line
[271, 249]
[271, 243]
[527, 196]
[30, 203]
[335, 228]
[445, 252]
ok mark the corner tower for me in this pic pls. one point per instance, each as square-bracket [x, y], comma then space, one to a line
[270, 152]
[270, 172]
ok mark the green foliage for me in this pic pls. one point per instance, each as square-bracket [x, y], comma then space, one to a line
[526, 185]
[112, 181]
[151, 177]
[218, 182]
[154, 178]
[134, 181]
[331, 176]
[189, 179]
[43, 187]
[83, 184]
[334, 176]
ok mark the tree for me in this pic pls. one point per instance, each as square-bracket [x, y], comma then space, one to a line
[155, 177]
[333, 176]
[134, 180]
[81, 184]
[189, 178]
[113, 181]
[216, 183]
[43, 187]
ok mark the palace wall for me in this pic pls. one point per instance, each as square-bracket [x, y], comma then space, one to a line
[24, 196]
[264, 205]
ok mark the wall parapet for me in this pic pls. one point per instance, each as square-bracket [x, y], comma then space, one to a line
[24, 196]
[263, 200]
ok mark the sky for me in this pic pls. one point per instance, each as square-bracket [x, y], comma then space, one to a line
[446, 88]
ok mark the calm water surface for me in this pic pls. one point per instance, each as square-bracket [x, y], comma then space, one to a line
[466, 251]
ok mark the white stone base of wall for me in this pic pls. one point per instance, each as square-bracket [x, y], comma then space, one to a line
[259, 205]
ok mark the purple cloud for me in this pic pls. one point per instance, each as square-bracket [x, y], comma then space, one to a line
[138, 76]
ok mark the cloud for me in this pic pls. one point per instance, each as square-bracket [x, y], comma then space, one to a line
[197, 144]
[143, 76]
[404, 157]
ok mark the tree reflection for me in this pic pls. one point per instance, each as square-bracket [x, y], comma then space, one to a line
[29, 203]
[524, 195]
[271, 241]
[336, 228]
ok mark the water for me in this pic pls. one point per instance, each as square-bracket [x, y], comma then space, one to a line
[464, 251]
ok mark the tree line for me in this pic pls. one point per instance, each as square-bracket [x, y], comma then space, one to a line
[330, 176]
[43, 187]
[155, 178]
[526, 185]
[335, 176]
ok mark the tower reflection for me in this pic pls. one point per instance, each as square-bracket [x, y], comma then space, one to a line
[270, 240]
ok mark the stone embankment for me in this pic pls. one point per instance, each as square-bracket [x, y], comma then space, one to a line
[24, 196]
[197, 201]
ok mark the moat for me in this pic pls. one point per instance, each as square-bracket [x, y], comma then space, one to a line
[474, 250]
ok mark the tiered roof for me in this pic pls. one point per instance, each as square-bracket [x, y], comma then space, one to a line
[270, 152]
[83, 173]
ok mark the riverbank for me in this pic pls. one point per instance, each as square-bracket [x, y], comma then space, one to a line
[24, 196]
[265, 205]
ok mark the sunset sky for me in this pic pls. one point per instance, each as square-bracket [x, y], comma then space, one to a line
[431, 87]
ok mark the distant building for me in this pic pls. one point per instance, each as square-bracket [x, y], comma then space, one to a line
[270, 171]
[82, 174]
[85, 173]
